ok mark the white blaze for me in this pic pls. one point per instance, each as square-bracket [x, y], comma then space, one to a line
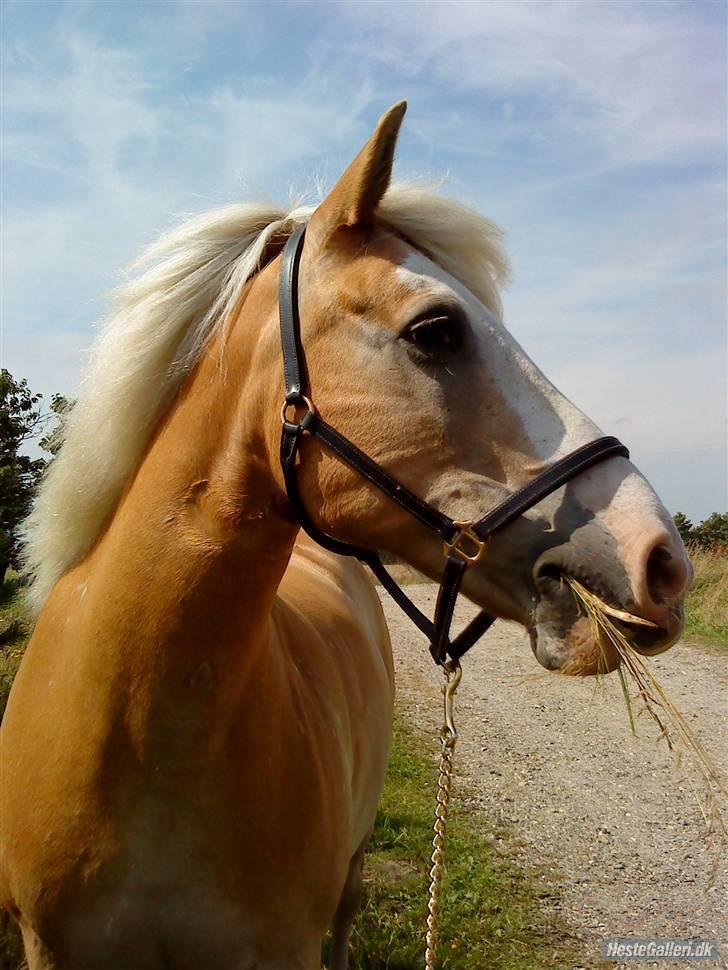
[616, 493]
[552, 423]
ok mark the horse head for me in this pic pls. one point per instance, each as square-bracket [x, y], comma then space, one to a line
[407, 356]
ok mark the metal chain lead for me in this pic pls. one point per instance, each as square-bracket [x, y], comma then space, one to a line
[448, 737]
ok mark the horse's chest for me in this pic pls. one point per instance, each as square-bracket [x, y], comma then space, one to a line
[180, 930]
[171, 900]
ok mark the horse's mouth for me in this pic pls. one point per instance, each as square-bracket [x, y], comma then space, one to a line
[652, 639]
[562, 635]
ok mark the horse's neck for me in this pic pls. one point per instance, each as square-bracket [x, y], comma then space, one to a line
[178, 592]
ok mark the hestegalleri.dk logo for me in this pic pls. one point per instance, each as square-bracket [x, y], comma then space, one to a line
[658, 949]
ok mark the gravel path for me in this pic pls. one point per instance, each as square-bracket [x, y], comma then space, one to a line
[607, 814]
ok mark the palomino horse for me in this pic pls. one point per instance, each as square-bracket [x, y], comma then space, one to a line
[196, 741]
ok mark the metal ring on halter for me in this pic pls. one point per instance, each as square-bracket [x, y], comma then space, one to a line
[294, 404]
[465, 534]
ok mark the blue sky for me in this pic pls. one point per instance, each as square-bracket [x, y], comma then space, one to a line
[593, 132]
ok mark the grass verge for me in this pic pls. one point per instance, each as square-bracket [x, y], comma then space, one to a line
[706, 609]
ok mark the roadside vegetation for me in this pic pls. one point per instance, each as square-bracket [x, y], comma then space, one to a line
[23, 422]
[706, 608]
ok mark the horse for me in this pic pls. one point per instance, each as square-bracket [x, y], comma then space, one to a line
[197, 737]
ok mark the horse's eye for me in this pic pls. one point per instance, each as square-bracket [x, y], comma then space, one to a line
[435, 334]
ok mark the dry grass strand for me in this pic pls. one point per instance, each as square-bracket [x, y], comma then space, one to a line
[672, 726]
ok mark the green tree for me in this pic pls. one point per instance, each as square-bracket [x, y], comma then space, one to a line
[21, 419]
[684, 526]
[712, 531]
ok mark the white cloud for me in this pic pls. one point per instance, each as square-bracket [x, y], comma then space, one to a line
[126, 156]
[679, 411]
[672, 417]
[599, 273]
[641, 80]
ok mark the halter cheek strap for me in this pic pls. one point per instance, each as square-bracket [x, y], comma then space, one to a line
[464, 543]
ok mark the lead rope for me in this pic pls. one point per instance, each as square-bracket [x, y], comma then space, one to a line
[448, 737]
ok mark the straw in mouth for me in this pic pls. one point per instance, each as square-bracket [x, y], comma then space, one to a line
[623, 614]
[671, 724]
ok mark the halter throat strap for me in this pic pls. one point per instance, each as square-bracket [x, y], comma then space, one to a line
[464, 543]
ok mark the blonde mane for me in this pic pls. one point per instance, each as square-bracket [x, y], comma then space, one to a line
[160, 326]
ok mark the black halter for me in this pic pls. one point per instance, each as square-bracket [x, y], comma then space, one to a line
[464, 543]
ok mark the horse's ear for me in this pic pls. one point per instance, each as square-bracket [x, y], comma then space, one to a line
[359, 191]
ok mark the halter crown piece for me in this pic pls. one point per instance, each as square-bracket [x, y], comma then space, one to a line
[464, 543]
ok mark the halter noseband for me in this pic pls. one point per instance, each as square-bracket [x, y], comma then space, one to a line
[464, 543]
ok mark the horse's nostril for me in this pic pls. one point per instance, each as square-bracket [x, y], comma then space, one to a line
[667, 574]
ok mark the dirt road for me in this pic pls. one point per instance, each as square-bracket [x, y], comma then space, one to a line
[607, 813]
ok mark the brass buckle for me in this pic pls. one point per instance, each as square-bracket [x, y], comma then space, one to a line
[295, 404]
[471, 553]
